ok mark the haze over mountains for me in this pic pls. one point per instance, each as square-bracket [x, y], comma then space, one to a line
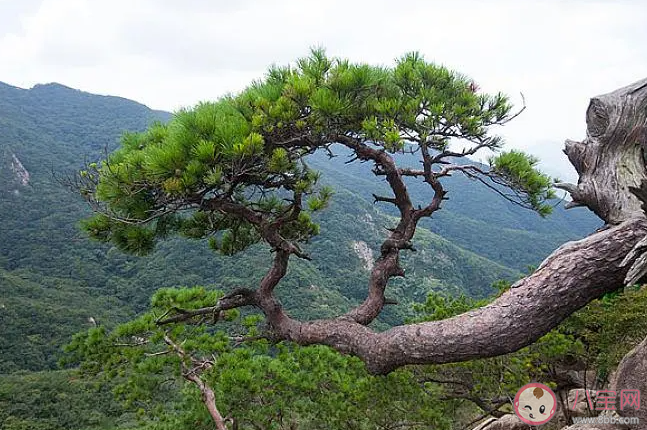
[53, 279]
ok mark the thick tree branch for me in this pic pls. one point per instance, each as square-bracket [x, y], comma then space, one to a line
[572, 276]
[385, 162]
[387, 265]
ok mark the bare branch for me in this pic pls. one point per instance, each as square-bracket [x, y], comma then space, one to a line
[157, 354]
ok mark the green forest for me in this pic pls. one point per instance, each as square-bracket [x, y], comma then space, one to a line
[112, 318]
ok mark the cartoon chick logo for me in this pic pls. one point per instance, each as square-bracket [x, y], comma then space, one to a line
[535, 404]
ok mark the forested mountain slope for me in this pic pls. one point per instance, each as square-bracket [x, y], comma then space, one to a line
[53, 279]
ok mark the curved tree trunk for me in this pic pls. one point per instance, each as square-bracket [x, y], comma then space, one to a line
[611, 164]
[575, 274]
[612, 183]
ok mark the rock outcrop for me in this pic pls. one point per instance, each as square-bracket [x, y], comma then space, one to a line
[21, 174]
[364, 253]
[632, 375]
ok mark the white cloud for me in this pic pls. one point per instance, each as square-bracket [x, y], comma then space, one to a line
[169, 54]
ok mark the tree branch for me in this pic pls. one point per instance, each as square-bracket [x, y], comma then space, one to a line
[572, 276]
[193, 375]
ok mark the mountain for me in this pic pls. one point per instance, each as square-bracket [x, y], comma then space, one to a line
[53, 279]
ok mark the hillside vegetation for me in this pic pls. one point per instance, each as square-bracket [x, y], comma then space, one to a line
[55, 282]
[477, 238]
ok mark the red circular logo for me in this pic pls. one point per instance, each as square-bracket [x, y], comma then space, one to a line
[535, 404]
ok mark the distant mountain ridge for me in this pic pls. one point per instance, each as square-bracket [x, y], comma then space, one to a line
[476, 239]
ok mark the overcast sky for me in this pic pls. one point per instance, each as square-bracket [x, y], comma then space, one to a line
[173, 53]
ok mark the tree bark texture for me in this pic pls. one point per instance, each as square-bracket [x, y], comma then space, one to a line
[611, 159]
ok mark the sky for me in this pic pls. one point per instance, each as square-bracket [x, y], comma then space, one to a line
[169, 54]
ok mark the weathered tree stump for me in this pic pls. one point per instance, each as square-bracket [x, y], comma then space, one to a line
[611, 160]
[611, 164]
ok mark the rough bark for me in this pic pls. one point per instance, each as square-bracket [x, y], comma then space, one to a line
[611, 158]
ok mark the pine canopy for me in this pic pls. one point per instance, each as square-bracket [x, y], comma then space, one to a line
[235, 170]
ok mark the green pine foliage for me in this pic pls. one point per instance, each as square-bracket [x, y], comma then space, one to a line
[250, 149]
[284, 386]
[258, 383]
[521, 174]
